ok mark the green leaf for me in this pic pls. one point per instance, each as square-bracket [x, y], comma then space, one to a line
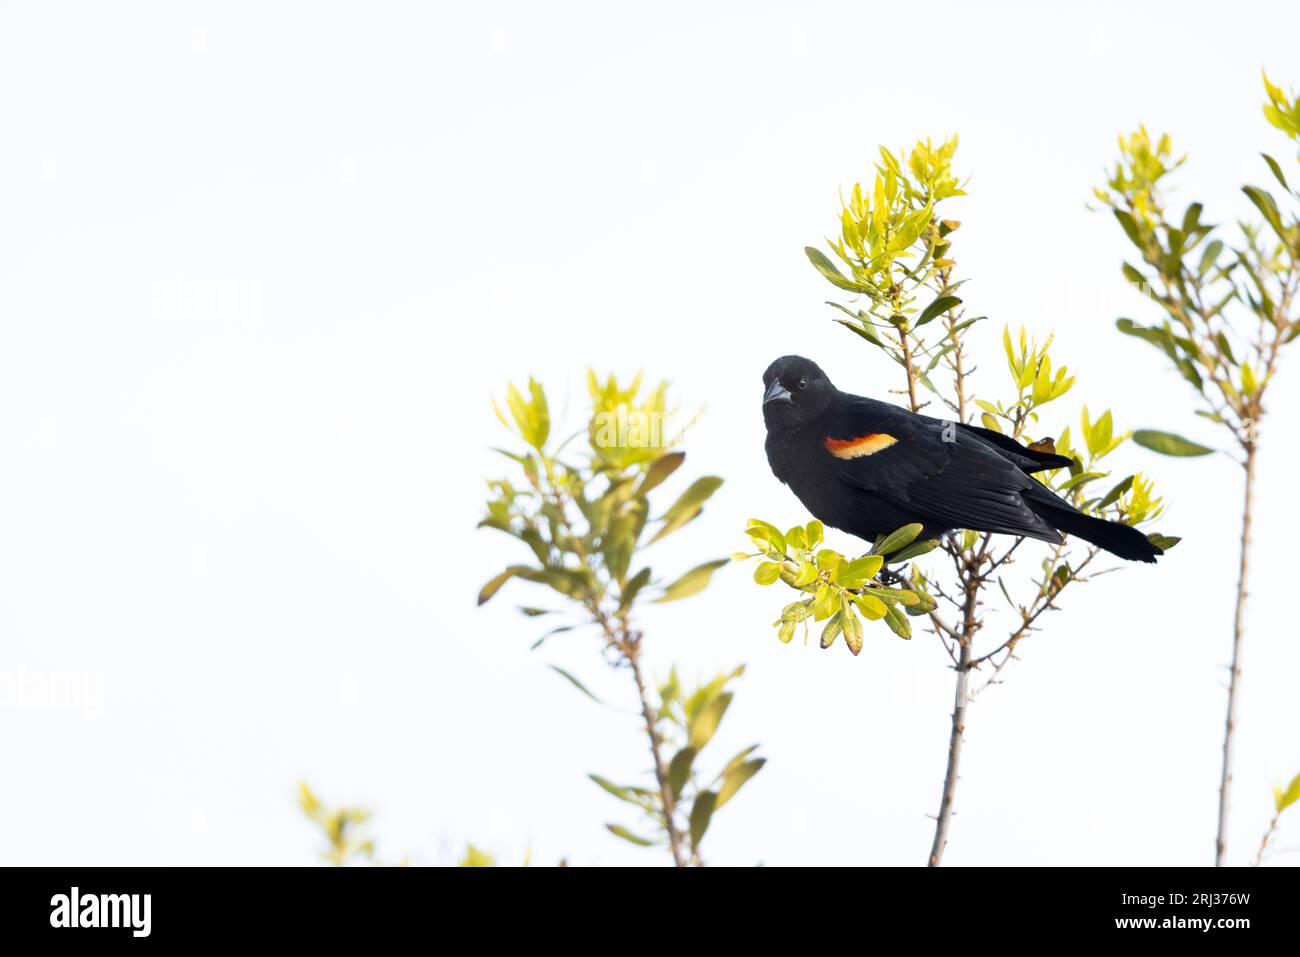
[1277, 170]
[705, 723]
[734, 779]
[1133, 275]
[829, 559]
[679, 770]
[1098, 438]
[827, 268]
[575, 682]
[1249, 383]
[701, 814]
[1130, 228]
[476, 857]
[1042, 390]
[570, 582]
[739, 757]
[1083, 478]
[797, 610]
[897, 622]
[659, 470]
[898, 539]
[852, 629]
[688, 505]
[1283, 799]
[872, 608]
[625, 834]
[620, 537]
[806, 575]
[937, 308]
[1163, 542]
[1225, 347]
[1114, 494]
[1157, 337]
[492, 587]
[757, 528]
[915, 550]
[554, 631]
[896, 595]
[1166, 443]
[532, 416]
[853, 573]
[633, 588]
[862, 329]
[620, 791]
[693, 581]
[825, 602]
[1267, 206]
[925, 603]
[1210, 256]
[832, 629]
[767, 573]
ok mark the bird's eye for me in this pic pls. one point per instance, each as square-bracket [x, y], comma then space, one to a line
[803, 383]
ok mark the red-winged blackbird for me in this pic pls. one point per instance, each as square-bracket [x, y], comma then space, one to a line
[868, 468]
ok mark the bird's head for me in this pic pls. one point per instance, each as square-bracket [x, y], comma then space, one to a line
[796, 392]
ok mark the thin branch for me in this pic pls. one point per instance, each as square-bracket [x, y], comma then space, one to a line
[1234, 681]
[956, 735]
[1266, 840]
[675, 841]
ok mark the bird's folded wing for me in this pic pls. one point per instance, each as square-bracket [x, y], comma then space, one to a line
[1029, 460]
[956, 484]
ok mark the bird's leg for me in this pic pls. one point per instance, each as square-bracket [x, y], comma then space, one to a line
[892, 578]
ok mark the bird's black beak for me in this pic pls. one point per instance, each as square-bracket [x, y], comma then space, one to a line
[776, 392]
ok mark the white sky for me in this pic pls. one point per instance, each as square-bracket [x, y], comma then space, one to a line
[243, 534]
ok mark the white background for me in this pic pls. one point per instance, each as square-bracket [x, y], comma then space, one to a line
[263, 265]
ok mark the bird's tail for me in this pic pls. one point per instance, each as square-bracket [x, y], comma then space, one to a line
[1115, 537]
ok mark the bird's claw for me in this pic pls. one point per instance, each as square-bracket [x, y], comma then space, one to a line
[891, 578]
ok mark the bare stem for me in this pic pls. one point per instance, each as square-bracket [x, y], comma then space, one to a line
[1234, 682]
[631, 651]
[961, 698]
[1266, 840]
[910, 368]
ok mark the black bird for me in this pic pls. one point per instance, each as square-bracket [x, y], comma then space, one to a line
[868, 468]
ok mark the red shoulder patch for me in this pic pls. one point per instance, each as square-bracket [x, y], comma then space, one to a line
[855, 448]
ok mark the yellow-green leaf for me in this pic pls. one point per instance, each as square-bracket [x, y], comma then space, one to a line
[493, 586]
[1167, 443]
[701, 815]
[693, 581]
[679, 770]
[898, 539]
[575, 682]
[1283, 798]
[734, 779]
[705, 723]
[625, 834]
[659, 470]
